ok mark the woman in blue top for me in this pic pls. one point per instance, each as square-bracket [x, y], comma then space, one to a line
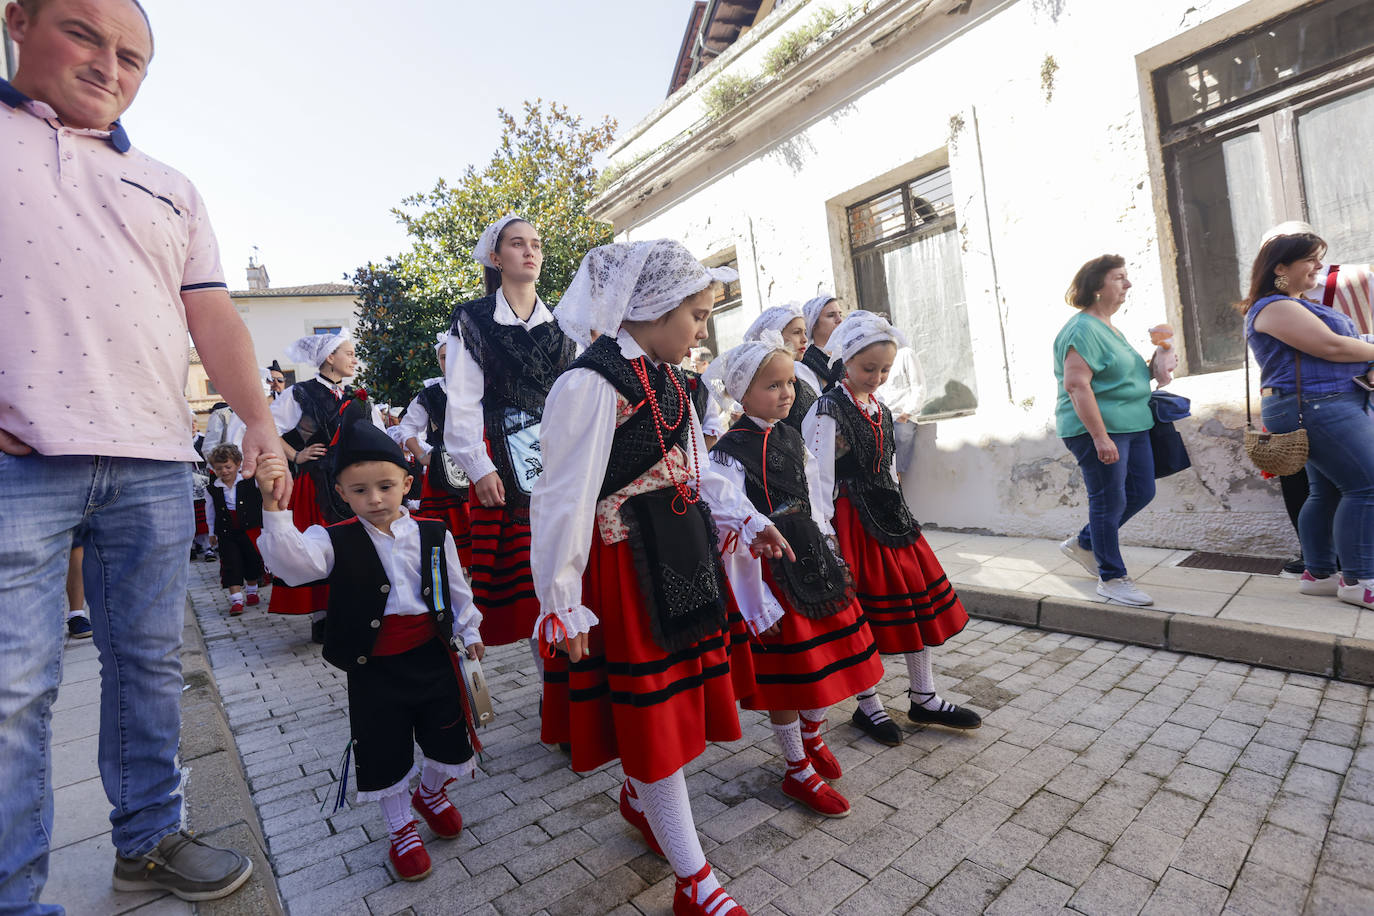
[1103, 415]
[1289, 334]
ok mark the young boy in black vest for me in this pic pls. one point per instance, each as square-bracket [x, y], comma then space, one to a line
[397, 602]
[233, 512]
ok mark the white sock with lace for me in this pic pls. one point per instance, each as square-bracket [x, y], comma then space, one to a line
[790, 740]
[812, 720]
[668, 809]
[432, 792]
[871, 706]
[396, 811]
[922, 674]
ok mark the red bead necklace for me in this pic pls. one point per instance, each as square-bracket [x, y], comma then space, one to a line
[685, 493]
[876, 424]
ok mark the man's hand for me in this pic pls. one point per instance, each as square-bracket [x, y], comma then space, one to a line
[12, 445]
[771, 544]
[259, 442]
[490, 490]
[271, 471]
[476, 651]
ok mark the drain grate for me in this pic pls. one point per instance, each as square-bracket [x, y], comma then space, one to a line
[1229, 562]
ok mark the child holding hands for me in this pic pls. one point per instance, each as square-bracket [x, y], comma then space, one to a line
[234, 517]
[397, 603]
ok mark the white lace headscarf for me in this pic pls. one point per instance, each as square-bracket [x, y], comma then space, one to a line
[734, 370]
[773, 319]
[637, 281]
[1292, 227]
[316, 348]
[440, 340]
[861, 329]
[486, 245]
[812, 310]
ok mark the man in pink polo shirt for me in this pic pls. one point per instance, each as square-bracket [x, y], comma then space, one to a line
[107, 260]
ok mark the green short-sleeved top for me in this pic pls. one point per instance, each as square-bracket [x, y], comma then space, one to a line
[1121, 378]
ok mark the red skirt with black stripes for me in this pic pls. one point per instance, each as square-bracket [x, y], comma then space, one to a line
[629, 699]
[812, 663]
[453, 511]
[906, 597]
[301, 599]
[202, 527]
[502, 586]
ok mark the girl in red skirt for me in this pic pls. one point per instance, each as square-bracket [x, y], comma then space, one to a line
[421, 431]
[909, 603]
[308, 416]
[626, 562]
[503, 354]
[816, 648]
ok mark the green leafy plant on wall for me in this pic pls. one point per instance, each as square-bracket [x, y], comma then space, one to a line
[726, 93]
[793, 46]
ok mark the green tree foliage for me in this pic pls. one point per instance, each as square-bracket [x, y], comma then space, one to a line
[542, 169]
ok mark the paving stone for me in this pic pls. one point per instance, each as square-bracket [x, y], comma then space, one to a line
[1348, 859]
[1031, 893]
[1179, 892]
[1110, 891]
[1008, 850]
[1325, 756]
[1046, 813]
[1145, 850]
[1103, 819]
[1333, 897]
[968, 890]
[820, 891]
[1264, 892]
[888, 893]
[933, 856]
[1069, 857]
[1211, 856]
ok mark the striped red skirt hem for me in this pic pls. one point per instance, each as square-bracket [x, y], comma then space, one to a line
[300, 599]
[907, 600]
[629, 699]
[453, 511]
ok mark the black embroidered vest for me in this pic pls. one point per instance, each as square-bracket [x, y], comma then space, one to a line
[818, 362]
[803, 397]
[519, 367]
[247, 506]
[358, 589]
[818, 583]
[863, 470]
[319, 414]
[435, 402]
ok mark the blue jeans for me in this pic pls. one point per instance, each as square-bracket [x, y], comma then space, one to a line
[1115, 493]
[1338, 517]
[135, 519]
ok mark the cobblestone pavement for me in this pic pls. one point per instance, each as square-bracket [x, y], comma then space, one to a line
[1107, 779]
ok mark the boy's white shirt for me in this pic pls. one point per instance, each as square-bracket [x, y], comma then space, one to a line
[300, 557]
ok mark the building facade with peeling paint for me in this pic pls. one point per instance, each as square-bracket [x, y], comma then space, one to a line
[953, 163]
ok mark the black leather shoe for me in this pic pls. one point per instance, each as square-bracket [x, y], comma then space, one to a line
[317, 631]
[950, 716]
[882, 732]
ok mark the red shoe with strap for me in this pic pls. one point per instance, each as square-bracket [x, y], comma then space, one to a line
[408, 855]
[813, 791]
[821, 758]
[717, 903]
[637, 818]
[443, 818]
[253, 599]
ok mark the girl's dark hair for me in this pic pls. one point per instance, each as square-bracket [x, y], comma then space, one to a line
[1282, 249]
[492, 278]
[1082, 292]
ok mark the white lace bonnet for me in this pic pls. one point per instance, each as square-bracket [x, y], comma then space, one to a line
[861, 329]
[636, 281]
[773, 319]
[486, 245]
[734, 370]
[812, 310]
[316, 348]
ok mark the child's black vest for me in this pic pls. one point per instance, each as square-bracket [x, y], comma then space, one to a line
[674, 543]
[519, 367]
[247, 506]
[863, 471]
[817, 584]
[358, 589]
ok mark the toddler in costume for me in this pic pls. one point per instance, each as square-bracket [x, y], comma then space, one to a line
[624, 550]
[815, 648]
[909, 603]
[397, 601]
[234, 516]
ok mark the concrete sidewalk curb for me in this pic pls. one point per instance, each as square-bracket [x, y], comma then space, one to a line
[1342, 657]
[218, 803]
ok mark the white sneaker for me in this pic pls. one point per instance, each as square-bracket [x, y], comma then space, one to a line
[1124, 591]
[1360, 594]
[1083, 557]
[1311, 585]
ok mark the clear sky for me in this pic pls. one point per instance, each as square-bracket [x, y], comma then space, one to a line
[303, 122]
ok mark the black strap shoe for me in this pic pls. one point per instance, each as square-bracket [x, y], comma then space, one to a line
[948, 715]
[884, 732]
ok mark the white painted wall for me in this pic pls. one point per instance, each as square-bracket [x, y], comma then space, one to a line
[1066, 179]
[275, 321]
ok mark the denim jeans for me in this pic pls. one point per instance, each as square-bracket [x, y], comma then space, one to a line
[1115, 493]
[1338, 517]
[135, 519]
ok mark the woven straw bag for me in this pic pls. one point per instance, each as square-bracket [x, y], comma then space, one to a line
[1279, 454]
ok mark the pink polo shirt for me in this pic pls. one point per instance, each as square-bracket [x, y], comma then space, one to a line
[97, 243]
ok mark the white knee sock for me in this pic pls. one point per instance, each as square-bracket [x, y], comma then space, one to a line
[790, 740]
[396, 811]
[922, 674]
[251, 589]
[668, 809]
[432, 779]
[871, 706]
[812, 720]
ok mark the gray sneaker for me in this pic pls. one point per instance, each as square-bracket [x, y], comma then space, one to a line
[187, 867]
[1080, 555]
[1123, 591]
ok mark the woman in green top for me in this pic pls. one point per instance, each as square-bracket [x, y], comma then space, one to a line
[1103, 415]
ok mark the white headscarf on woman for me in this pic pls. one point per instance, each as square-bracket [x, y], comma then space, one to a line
[773, 319]
[486, 245]
[316, 348]
[734, 370]
[861, 329]
[636, 281]
[812, 310]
